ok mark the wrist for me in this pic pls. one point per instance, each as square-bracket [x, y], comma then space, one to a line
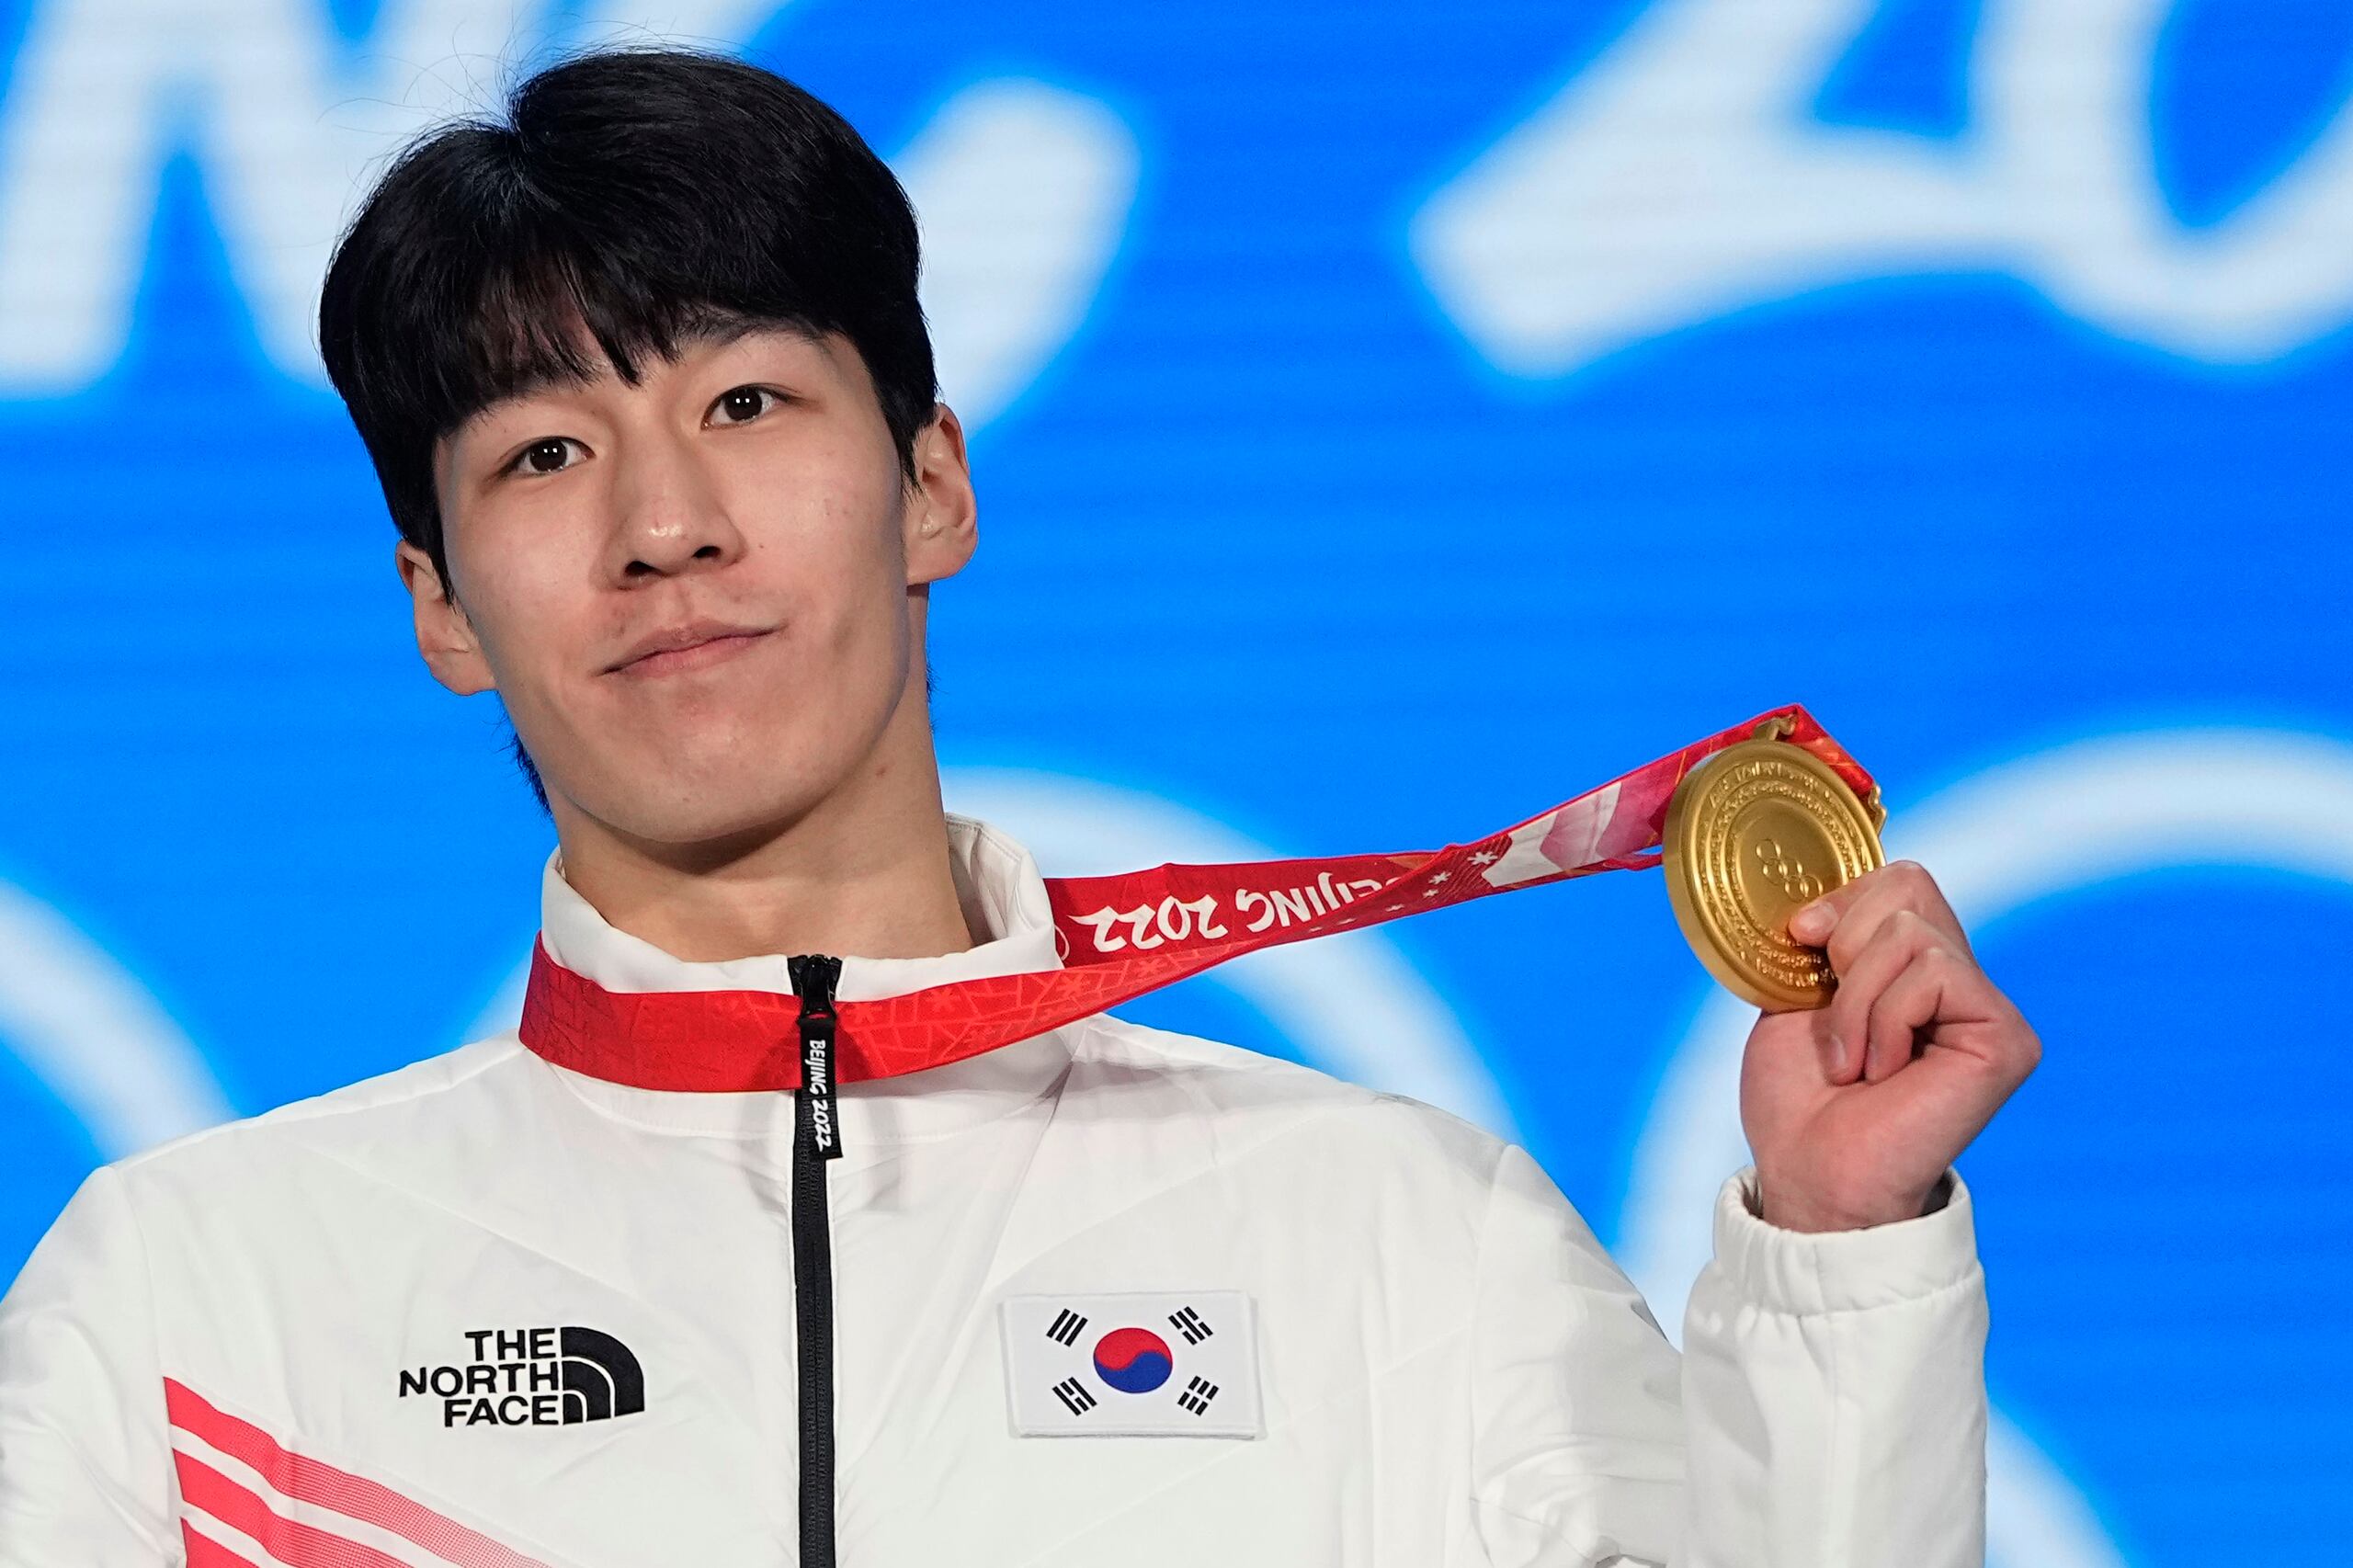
[1791, 1208]
[1782, 1270]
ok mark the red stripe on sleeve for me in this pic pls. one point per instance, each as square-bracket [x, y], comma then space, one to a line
[354, 1496]
[203, 1552]
[296, 1544]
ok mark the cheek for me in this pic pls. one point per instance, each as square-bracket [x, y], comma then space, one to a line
[529, 620]
[853, 602]
[824, 530]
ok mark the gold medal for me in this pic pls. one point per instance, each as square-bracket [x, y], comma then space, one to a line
[1753, 834]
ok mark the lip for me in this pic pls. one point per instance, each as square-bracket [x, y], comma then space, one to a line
[691, 647]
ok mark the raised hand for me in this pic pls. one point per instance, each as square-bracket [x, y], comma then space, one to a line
[1854, 1111]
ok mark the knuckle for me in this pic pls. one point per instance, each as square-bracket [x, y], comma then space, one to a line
[1910, 925]
[1919, 889]
[1844, 949]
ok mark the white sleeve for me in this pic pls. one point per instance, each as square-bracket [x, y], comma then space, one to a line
[86, 1457]
[1828, 1411]
[1576, 1431]
[1833, 1388]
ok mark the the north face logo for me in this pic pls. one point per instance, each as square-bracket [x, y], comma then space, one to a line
[533, 1377]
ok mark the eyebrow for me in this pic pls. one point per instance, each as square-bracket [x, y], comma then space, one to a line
[718, 332]
[702, 330]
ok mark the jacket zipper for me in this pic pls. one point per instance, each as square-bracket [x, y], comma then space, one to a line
[816, 1138]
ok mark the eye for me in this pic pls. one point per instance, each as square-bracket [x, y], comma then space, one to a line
[741, 405]
[545, 455]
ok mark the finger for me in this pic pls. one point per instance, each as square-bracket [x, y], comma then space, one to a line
[1813, 922]
[1942, 1100]
[1924, 897]
[1933, 1109]
[1892, 945]
[1970, 1018]
[1909, 1002]
[1859, 925]
[1857, 909]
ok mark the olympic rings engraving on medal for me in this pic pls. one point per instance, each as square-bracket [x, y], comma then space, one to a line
[1789, 875]
[1758, 829]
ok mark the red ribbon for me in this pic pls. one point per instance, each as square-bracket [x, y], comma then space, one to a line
[1119, 937]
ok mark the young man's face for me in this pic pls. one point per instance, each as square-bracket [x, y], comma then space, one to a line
[750, 485]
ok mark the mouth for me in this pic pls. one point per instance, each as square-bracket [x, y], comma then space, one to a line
[697, 657]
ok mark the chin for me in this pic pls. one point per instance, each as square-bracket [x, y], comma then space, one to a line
[703, 808]
[722, 776]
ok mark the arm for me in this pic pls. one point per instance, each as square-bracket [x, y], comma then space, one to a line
[85, 1459]
[1828, 1411]
[1834, 1373]
[1834, 1390]
[1833, 1384]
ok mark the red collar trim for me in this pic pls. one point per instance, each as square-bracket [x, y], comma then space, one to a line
[1122, 935]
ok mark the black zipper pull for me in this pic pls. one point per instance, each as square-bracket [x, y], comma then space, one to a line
[813, 979]
[816, 1138]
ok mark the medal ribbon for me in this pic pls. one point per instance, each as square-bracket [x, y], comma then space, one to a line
[1119, 937]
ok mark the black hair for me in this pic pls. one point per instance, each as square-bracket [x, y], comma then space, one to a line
[651, 195]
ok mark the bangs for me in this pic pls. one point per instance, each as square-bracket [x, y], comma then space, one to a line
[560, 317]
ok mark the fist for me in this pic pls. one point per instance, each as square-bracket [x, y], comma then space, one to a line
[1853, 1111]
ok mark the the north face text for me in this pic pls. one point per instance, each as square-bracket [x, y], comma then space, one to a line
[533, 1377]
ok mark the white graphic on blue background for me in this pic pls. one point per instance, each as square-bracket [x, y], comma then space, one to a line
[94, 1037]
[1679, 177]
[1022, 188]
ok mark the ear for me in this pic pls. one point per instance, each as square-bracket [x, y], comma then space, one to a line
[940, 522]
[445, 636]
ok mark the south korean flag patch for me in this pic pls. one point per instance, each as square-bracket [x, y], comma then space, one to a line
[1133, 1365]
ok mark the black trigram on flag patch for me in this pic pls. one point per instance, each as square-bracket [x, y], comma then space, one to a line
[1189, 1324]
[1197, 1395]
[1064, 1329]
[1075, 1397]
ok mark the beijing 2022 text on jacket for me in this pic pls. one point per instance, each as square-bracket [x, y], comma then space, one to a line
[1111, 1295]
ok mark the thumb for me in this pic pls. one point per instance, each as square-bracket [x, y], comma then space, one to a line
[1810, 922]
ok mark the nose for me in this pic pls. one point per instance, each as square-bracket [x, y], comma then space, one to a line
[669, 514]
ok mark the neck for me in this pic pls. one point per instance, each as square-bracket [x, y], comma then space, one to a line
[863, 871]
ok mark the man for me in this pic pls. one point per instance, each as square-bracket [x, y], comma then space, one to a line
[649, 393]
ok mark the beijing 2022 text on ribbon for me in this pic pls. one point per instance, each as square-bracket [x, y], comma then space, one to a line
[1122, 935]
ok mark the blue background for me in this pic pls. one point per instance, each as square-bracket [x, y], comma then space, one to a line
[1268, 535]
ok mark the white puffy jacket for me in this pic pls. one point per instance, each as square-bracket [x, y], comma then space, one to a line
[484, 1309]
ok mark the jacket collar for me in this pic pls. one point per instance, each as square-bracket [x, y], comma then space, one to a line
[1004, 900]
